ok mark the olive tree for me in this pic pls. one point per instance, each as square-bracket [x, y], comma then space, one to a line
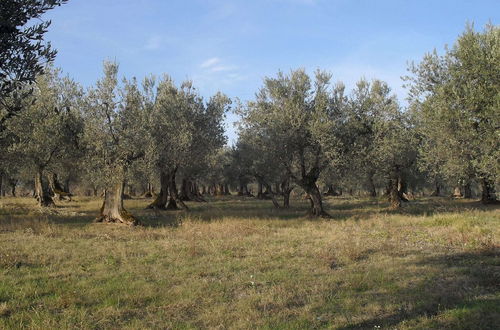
[457, 99]
[298, 116]
[183, 133]
[46, 133]
[114, 136]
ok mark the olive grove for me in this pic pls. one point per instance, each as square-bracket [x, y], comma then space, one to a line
[301, 135]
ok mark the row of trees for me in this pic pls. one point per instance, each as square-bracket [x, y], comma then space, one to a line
[121, 136]
[114, 130]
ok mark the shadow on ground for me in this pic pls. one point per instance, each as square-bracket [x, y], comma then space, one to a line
[340, 208]
[460, 291]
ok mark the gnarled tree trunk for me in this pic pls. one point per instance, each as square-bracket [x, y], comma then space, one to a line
[286, 191]
[174, 202]
[467, 190]
[270, 193]
[371, 186]
[488, 194]
[437, 189]
[393, 193]
[161, 199]
[42, 190]
[185, 193]
[149, 191]
[260, 193]
[226, 189]
[316, 201]
[56, 188]
[307, 182]
[402, 188]
[112, 210]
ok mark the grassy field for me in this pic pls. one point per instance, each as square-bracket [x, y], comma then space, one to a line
[239, 263]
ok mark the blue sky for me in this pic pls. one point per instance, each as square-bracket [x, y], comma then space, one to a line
[232, 45]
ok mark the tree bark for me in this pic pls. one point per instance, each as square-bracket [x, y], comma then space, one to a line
[330, 191]
[316, 209]
[437, 189]
[307, 182]
[56, 188]
[149, 192]
[161, 199]
[467, 190]
[271, 194]
[277, 188]
[371, 186]
[457, 192]
[174, 202]
[112, 210]
[42, 190]
[488, 194]
[184, 193]
[260, 194]
[286, 191]
[66, 185]
[226, 189]
[402, 188]
[393, 193]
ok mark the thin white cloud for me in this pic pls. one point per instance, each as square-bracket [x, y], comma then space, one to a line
[210, 62]
[223, 68]
[154, 43]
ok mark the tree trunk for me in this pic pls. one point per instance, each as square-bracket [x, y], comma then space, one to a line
[42, 190]
[286, 198]
[467, 190]
[1, 185]
[13, 185]
[260, 194]
[246, 191]
[271, 194]
[329, 191]
[160, 201]
[184, 193]
[66, 185]
[286, 191]
[371, 186]
[112, 210]
[437, 189]
[149, 192]
[174, 202]
[226, 189]
[277, 188]
[316, 201]
[393, 193]
[57, 190]
[402, 188]
[197, 196]
[488, 194]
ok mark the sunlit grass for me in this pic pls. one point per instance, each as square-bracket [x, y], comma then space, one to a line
[239, 263]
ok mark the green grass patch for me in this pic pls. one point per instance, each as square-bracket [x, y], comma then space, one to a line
[240, 263]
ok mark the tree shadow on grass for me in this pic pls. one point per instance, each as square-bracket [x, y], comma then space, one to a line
[233, 207]
[339, 209]
[461, 291]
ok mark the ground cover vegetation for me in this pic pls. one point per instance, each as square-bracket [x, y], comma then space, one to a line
[334, 208]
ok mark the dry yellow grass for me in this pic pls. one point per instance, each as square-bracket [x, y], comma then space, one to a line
[235, 263]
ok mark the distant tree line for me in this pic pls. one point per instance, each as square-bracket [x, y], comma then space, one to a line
[124, 137]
